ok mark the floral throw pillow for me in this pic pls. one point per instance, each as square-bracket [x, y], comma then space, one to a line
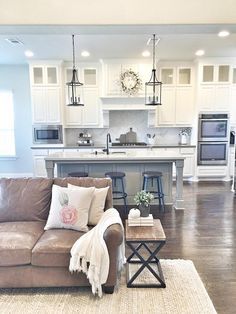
[69, 208]
[97, 205]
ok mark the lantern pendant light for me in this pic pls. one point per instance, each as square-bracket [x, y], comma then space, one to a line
[75, 89]
[153, 86]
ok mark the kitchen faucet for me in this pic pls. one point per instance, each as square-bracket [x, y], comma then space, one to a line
[108, 141]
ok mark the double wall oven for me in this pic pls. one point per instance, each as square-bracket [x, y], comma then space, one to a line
[213, 138]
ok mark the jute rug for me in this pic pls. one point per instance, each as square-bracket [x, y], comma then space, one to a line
[184, 294]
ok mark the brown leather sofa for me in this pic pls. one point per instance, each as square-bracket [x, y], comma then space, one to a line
[32, 257]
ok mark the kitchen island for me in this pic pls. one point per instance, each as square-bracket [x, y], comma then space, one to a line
[132, 162]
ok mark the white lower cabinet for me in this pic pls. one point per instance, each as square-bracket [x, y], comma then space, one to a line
[231, 161]
[211, 172]
[189, 162]
[39, 161]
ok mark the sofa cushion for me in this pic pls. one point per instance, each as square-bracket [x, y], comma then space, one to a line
[17, 240]
[53, 248]
[25, 199]
[87, 182]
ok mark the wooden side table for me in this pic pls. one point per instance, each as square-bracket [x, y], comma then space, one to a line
[152, 239]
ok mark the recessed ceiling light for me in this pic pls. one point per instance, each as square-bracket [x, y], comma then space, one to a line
[29, 53]
[223, 33]
[146, 53]
[85, 53]
[200, 53]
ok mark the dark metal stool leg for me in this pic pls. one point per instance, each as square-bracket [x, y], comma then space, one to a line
[124, 195]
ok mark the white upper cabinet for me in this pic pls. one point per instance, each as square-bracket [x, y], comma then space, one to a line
[46, 92]
[219, 73]
[89, 114]
[44, 75]
[214, 87]
[178, 101]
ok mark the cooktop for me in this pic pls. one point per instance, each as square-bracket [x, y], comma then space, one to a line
[130, 144]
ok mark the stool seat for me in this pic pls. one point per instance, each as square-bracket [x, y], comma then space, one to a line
[78, 174]
[115, 174]
[152, 174]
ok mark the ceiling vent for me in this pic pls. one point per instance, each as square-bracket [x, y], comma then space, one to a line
[14, 41]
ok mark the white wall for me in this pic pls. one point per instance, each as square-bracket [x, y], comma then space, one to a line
[117, 12]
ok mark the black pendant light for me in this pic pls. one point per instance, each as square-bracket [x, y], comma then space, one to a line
[75, 90]
[153, 86]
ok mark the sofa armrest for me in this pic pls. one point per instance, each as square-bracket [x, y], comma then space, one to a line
[113, 237]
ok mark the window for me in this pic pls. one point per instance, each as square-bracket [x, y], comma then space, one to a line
[7, 136]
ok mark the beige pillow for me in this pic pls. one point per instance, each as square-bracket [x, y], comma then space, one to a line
[97, 205]
[69, 208]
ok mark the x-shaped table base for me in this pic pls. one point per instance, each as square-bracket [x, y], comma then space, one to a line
[135, 246]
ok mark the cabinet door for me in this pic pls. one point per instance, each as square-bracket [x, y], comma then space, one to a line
[51, 75]
[184, 106]
[39, 166]
[73, 116]
[113, 72]
[166, 112]
[91, 109]
[89, 77]
[208, 74]
[189, 165]
[206, 97]
[222, 95]
[39, 105]
[53, 105]
[233, 106]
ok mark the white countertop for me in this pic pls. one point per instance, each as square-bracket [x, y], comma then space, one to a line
[135, 155]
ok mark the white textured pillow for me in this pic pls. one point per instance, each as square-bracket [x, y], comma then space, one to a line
[69, 208]
[97, 205]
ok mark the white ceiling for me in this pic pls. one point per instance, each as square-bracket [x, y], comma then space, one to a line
[178, 42]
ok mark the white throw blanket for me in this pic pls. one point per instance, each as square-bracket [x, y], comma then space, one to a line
[91, 248]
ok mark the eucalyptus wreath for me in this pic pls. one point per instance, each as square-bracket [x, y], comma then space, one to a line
[135, 82]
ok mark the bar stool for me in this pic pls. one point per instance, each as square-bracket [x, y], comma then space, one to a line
[158, 194]
[78, 174]
[116, 193]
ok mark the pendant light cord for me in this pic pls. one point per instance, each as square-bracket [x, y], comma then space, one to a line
[73, 44]
[154, 50]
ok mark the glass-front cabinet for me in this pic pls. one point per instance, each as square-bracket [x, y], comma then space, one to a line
[44, 75]
[176, 76]
[215, 73]
[234, 75]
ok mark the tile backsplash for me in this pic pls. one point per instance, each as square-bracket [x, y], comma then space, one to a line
[120, 123]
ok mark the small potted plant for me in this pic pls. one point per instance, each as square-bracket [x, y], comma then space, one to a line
[143, 200]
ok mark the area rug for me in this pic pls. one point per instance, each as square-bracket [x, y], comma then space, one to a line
[184, 294]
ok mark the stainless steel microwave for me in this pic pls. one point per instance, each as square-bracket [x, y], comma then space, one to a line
[47, 134]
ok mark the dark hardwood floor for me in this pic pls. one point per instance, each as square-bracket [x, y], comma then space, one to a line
[205, 232]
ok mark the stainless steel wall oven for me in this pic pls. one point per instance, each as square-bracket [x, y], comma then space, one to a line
[213, 138]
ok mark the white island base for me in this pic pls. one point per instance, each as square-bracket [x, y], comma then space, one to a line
[133, 164]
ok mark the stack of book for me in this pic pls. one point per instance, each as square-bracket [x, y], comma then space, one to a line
[140, 221]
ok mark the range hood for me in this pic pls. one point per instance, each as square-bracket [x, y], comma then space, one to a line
[124, 103]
